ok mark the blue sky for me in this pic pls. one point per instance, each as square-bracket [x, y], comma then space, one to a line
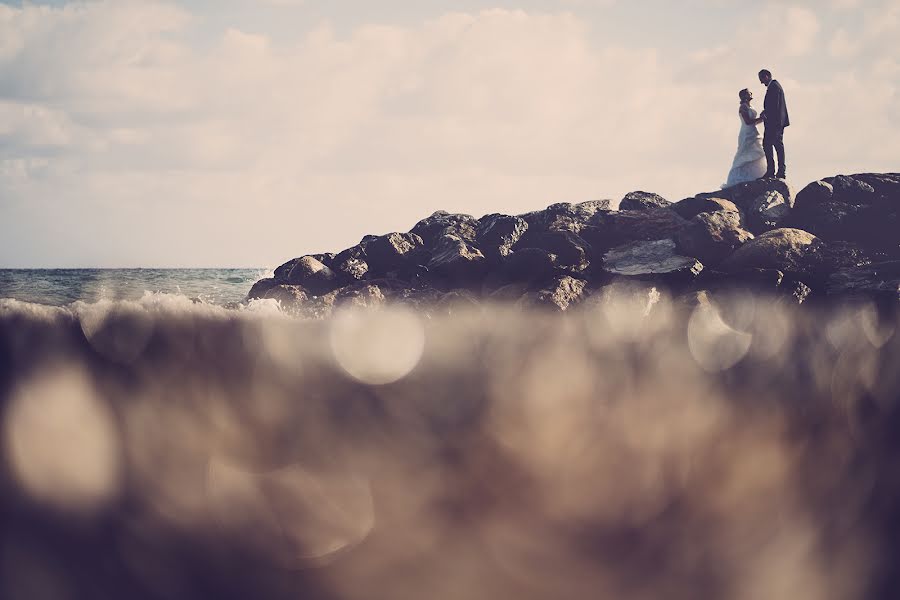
[245, 132]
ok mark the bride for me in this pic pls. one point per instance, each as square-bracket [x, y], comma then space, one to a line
[750, 160]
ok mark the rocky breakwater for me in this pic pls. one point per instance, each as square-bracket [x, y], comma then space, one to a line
[836, 240]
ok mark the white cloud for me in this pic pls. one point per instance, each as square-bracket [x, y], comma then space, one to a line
[248, 149]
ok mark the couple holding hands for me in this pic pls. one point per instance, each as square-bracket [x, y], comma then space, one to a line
[754, 158]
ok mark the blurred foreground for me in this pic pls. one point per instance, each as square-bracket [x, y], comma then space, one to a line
[634, 448]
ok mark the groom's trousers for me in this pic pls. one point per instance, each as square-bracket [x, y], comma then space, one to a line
[773, 139]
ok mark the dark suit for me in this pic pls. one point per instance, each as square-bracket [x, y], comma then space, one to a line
[776, 118]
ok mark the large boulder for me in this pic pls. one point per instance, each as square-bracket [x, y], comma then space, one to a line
[430, 229]
[655, 259]
[713, 236]
[313, 275]
[766, 211]
[691, 207]
[861, 208]
[527, 265]
[643, 201]
[564, 216]
[788, 250]
[292, 298]
[497, 234]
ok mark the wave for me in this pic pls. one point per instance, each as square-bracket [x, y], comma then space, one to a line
[639, 447]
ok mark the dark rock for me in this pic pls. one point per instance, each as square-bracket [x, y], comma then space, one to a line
[392, 251]
[561, 294]
[744, 195]
[656, 259]
[527, 265]
[281, 273]
[508, 293]
[626, 226]
[497, 234]
[564, 216]
[363, 294]
[260, 288]
[570, 249]
[440, 223]
[456, 261]
[691, 207]
[456, 301]
[766, 211]
[713, 236]
[352, 269]
[643, 201]
[314, 276]
[879, 281]
[864, 209]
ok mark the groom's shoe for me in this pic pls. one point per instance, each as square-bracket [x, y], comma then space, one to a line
[781, 175]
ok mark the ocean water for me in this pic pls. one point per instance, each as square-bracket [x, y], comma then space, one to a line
[61, 287]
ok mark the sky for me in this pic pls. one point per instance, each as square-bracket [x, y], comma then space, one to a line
[216, 133]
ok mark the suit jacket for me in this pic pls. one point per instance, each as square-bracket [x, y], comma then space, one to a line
[775, 108]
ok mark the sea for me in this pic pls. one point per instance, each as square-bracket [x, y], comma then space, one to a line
[61, 287]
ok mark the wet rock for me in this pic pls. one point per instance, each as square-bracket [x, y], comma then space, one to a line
[290, 297]
[281, 273]
[656, 259]
[497, 234]
[440, 223]
[561, 294]
[456, 261]
[786, 249]
[713, 236]
[314, 276]
[643, 201]
[260, 288]
[363, 294]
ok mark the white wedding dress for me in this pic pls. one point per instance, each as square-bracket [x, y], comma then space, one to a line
[750, 160]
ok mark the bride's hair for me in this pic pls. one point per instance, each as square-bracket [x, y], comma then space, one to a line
[743, 94]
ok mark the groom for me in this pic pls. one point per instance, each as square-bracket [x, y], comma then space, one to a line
[775, 116]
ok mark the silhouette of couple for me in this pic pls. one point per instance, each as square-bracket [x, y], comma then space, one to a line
[755, 156]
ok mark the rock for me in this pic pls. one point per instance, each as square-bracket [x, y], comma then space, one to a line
[455, 260]
[651, 260]
[766, 211]
[879, 281]
[622, 227]
[391, 252]
[508, 293]
[497, 234]
[786, 249]
[440, 223]
[571, 251]
[564, 216]
[691, 207]
[744, 195]
[864, 209]
[713, 236]
[643, 201]
[260, 288]
[292, 298]
[527, 265]
[456, 301]
[314, 276]
[351, 268]
[281, 273]
[562, 293]
[364, 294]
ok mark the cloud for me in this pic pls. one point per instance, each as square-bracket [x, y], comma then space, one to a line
[240, 147]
